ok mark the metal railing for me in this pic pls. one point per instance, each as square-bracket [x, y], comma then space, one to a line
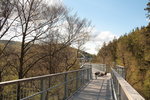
[121, 70]
[122, 90]
[57, 86]
[101, 67]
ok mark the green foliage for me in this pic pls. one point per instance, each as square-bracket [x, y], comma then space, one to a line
[133, 52]
[148, 9]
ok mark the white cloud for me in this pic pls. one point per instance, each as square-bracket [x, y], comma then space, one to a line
[97, 39]
[104, 36]
[51, 2]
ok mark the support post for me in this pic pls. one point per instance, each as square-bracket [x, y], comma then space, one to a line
[119, 92]
[91, 72]
[43, 88]
[77, 80]
[83, 76]
[123, 72]
[66, 87]
[88, 75]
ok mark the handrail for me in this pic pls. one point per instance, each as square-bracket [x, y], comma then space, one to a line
[120, 66]
[124, 91]
[37, 77]
[41, 87]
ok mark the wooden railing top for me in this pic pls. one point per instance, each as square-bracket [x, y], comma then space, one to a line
[130, 92]
[120, 66]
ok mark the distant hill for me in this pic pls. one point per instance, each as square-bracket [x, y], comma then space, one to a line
[87, 55]
[10, 42]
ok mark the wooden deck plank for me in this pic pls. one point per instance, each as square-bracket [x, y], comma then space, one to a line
[97, 89]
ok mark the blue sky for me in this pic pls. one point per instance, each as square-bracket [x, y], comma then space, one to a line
[117, 16]
[111, 18]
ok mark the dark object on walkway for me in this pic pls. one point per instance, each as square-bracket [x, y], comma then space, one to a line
[97, 74]
[102, 74]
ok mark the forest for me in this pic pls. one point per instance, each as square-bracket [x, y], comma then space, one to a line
[132, 51]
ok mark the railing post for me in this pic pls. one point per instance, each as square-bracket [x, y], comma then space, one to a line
[77, 77]
[83, 76]
[66, 87]
[1, 93]
[88, 75]
[91, 72]
[119, 92]
[43, 88]
[80, 77]
[123, 72]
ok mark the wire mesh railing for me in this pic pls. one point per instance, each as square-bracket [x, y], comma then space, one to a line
[57, 86]
[100, 67]
[121, 70]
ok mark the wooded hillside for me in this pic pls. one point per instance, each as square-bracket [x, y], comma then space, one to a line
[132, 51]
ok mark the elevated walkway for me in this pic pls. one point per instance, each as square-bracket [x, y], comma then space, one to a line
[108, 87]
[72, 85]
[97, 89]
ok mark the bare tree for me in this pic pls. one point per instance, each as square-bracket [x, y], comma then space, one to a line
[6, 22]
[34, 21]
[61, 57]
[7, 19]
[71, 31]
[35, 18]
[70, 59]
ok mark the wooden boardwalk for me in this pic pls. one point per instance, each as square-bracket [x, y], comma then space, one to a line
[97, 89]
